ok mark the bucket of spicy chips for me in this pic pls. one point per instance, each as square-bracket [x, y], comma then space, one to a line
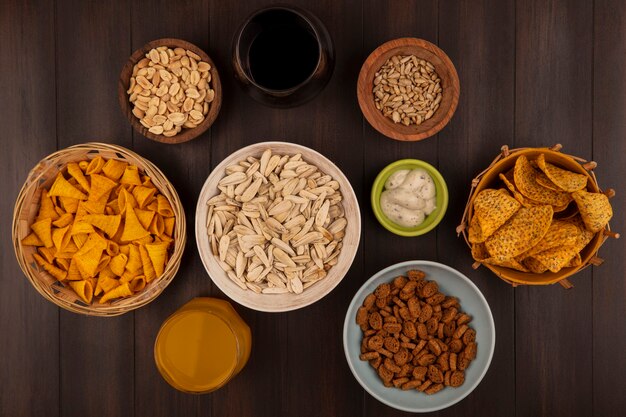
[537, 216]
[98, 229]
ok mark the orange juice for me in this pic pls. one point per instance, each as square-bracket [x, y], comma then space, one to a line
[202, 346]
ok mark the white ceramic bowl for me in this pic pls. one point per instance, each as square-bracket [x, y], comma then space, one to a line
[451, 282]
[279, 302]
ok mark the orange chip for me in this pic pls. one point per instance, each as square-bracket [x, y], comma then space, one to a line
[559, 234]
[133, 229]
[108, 224]
[595, 209]
[122, 290]
[80, 227]
[63, 263]
[46, 208]
[134, 259]
[125, 249]
[168, 223]
[88, 262]
[113, 205]
[84, 289]
[584, 236]
[534, 265]
[57, 273]
[125, 198]
[114, 169]
[491, 210]
[47, 253]
[154, 206]
[118, 264]
[158, 255]
[62, 188]
[148, 269]
[563, 179]
[101, 186]
[147, 182]
[43, 230]
[138, 283]
[65, 220]
[523, 231]
[556, 258]
[574, 262]
[70, 205]
[506, 263]
[106, 282]
[508, 181]
[61, 238]
[543, 180]
[163, 206]
[80, 239]
[32, 240]
[95, 166]
[112, 248]
[74, 170]
[157, 226]
[526, 181]
[131, 176]
[145, 217]
[143, 195]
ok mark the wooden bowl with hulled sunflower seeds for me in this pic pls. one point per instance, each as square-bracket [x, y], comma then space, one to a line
[170, 91]
[408, 89]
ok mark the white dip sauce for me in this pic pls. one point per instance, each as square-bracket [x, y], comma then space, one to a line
[409, 197]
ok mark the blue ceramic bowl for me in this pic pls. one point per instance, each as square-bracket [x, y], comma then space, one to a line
[451, 282]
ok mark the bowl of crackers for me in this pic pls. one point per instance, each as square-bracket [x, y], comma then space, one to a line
[170, 91]
[98, 230]
[408, 89]
[277, 226]
[419, 336]
[537, 216]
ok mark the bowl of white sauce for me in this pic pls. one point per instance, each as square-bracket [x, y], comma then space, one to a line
[409, 197]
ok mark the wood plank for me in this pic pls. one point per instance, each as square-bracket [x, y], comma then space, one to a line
[327, 124]
[609, 148]
[96, 353]
[262, 387]
[482, 124]
[380, 24]
[553, 90]
[29, 324]
[186, 166]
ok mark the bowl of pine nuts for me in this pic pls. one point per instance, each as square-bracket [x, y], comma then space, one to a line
[408, 89]
[170, 91]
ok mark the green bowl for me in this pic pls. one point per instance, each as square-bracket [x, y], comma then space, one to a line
[432, 220]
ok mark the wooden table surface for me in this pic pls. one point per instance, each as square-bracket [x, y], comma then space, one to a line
[532, 73]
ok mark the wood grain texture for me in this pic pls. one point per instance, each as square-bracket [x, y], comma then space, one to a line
[609, 148]
[443, 67]
[186, 165]
[479, 37]
[93, 351]
[29, 324]
[382, 248]
[552, 105]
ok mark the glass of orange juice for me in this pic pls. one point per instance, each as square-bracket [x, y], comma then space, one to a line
[202, 346]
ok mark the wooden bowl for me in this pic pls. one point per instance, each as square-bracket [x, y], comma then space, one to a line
[124, 82]
[289, 301]
[26, 209]
[449, 82]
[489, 179]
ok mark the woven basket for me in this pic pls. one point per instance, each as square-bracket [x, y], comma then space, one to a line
[489, 177]
[27, 206]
